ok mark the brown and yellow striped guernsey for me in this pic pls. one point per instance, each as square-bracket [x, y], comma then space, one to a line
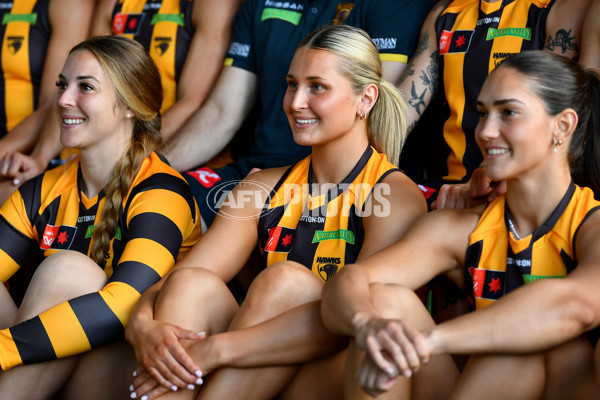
[25, 31]
[165, 29]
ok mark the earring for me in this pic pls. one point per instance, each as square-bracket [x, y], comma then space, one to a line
[556, 142]
[362, 115]
[128, 115]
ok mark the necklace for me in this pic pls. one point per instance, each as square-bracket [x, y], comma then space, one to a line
[512, 229]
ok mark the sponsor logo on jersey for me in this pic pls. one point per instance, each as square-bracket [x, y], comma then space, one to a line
[286, 5]
[487, 21]
[281, 240]
[89, 232]
[124, 24]
[15, 43]
[312, 220]
[385, 43]
[328, 266]
[58, 237]
[206, 176]
[342, 13]
[28, 18]
[239, 49]
[342, 234]
[487, 284]
[293, 17]
[455, 41]
[162, 44]
[524, 33]
[499, 57]
[179, 19]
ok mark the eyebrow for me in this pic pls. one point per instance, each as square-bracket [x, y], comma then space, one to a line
[501, 102]
[81, 77]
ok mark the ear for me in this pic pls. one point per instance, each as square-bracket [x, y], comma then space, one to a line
[565, 124]
[368, 99]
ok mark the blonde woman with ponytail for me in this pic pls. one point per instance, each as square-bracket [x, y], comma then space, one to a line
[341, 204]
[100, 230]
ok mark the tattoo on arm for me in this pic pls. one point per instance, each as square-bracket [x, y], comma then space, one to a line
[563, 40]
[429, 77]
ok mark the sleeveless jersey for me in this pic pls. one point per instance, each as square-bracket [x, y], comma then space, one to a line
[497, 263]
[165, 29]
[25, 31]
[474, 36]
[158, 223]
[323, 232]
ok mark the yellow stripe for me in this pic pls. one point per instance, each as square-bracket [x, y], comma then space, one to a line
[228, 62]
[64, 343]
[165, 32]
[121, 299]
[150, 253]
[178, 209]
[393, 57]
[454, 87]
[9, 266]
[15, 64]
[518, 11]
[9, 354]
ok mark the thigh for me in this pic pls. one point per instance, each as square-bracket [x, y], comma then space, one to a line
[499, 376]
[103, 373]
[570, 371]
[321, 379]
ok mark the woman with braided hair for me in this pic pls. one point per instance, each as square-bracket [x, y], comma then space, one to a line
[100, 230]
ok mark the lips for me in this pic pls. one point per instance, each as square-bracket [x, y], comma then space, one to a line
[72, 121]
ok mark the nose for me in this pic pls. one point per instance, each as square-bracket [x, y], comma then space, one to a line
[296, 99]
[65, 98]
[486, 129]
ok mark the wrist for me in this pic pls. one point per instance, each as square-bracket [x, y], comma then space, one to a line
[359, 320]
[435, 341]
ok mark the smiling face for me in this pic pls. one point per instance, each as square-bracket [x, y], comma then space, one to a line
[88, 111]
[320, 103]
[515, 132]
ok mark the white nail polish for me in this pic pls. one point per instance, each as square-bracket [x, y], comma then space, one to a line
[198, 374]
[191, 387]
[199, 381]
[174, 388]
[144, 398]
[133, 395]
[134, 373]
[131, 388]
[16, 181]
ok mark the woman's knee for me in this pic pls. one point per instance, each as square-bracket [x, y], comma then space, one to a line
[191, 284]
[70, 273]
[285, 283]
[395, 301]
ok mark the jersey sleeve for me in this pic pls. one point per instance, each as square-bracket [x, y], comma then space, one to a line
[241, 52]
[17, 240]
[158, 220]
[394, 25]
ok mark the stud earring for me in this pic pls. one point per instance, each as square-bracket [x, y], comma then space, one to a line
[362, 115]
[128, 115]
[557, 142]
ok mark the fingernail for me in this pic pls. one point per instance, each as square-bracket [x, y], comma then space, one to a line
[144, 398]
[198, 374]
[133, 395]
[174, 388]
[131, 388]
[199, 381]
[407, 374]
[191, 387]
[134, 373]
[201, 333]
[16, 181]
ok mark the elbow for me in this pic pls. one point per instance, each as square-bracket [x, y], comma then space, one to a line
[582, 314]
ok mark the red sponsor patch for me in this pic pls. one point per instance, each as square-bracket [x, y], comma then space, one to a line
[427, 191]
[49, 236]
[206, 176]
[478, 276]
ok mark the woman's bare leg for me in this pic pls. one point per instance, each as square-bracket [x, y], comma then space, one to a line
[198, 300]
[397, 302]
[8, 309]
[272, 297]
[561, 373]
[61, 277]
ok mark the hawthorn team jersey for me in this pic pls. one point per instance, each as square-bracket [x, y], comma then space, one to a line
[324, 232]
[25, 31]
[158, 223]
[474, 36]
[497, 262]
[165, 29]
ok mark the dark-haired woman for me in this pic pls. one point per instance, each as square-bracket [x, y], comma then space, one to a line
[529, 259]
